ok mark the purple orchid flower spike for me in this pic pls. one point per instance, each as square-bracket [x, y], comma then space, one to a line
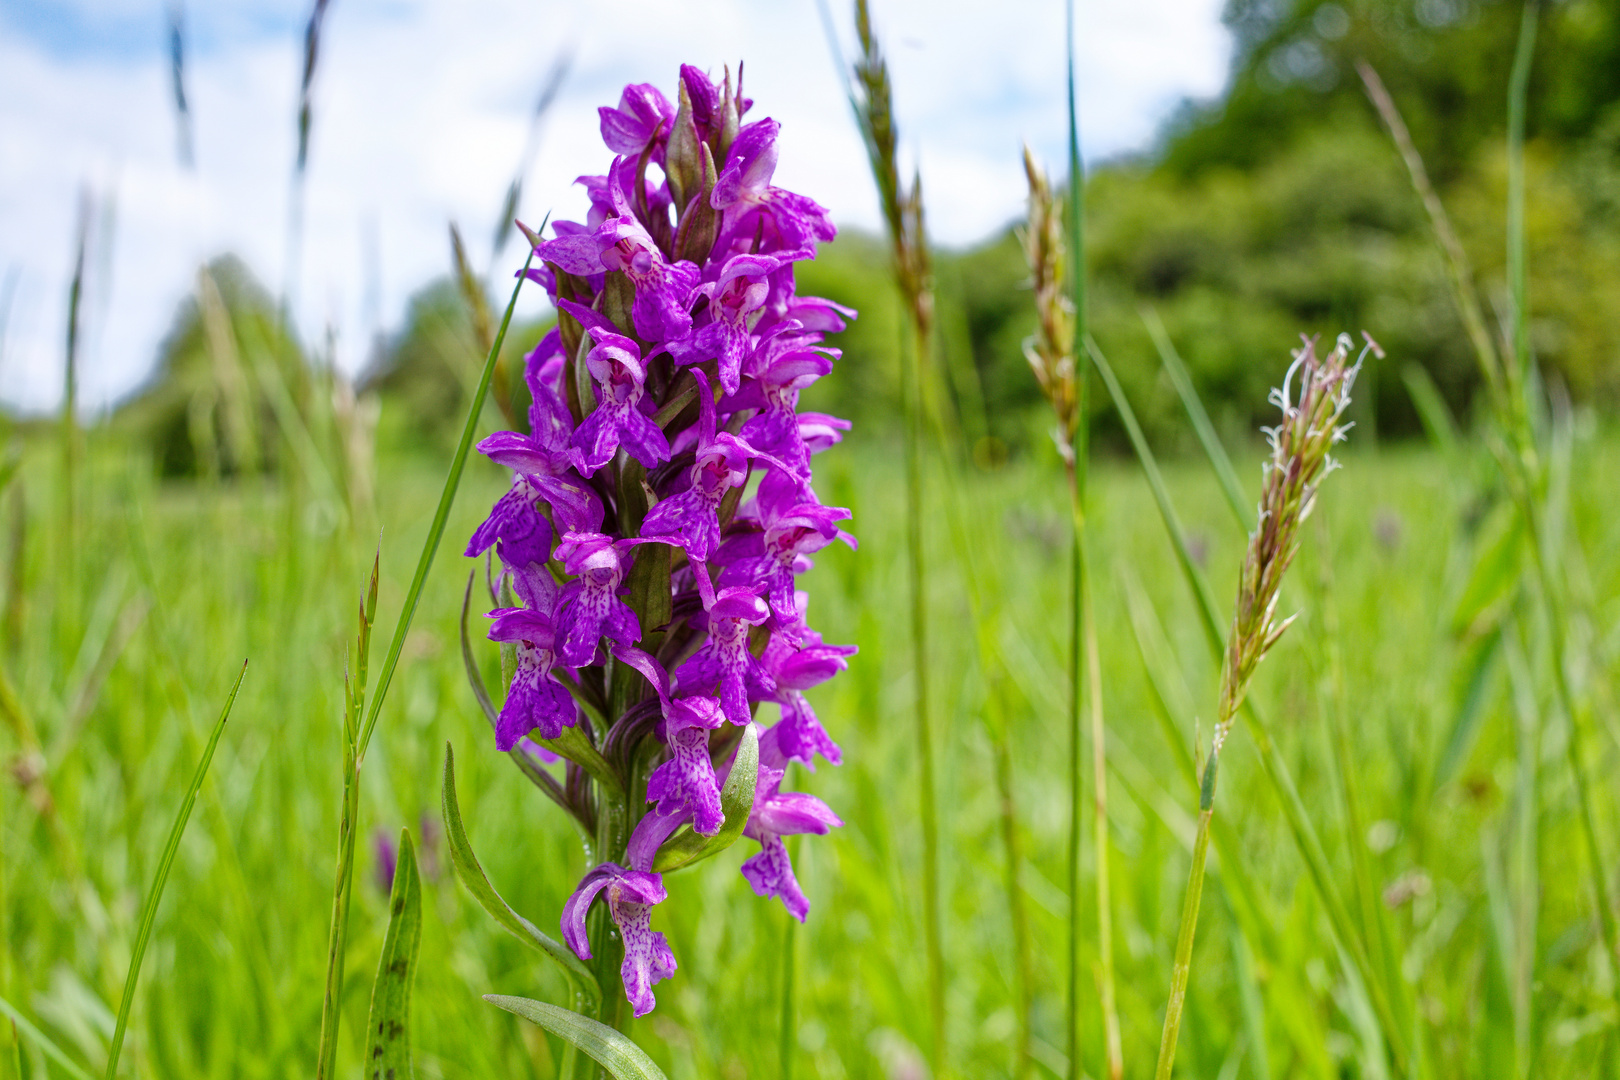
[724, 659]
[690, 519]
[619, 418]
[777, 814]
[643, 118]
[569, 530]
[589, 607]
[753, 207]
[631, 895]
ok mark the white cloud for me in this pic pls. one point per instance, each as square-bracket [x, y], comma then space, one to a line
[421, 114]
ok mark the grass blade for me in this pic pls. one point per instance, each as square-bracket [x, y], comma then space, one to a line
[1457, 264]
[1182, 381]
[430, 547]
[903, 214]
[1517, 270]
[622, 1059]
[388, 1027]
[1207, 610]
[43, 1041]
[1438, 423]
[472, 875]
[165, 863]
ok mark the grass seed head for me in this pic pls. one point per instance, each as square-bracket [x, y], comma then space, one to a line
[1301, 445]
[1050, 350]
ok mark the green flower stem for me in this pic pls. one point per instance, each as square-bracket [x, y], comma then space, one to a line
[1189, 924]
[1076, 779]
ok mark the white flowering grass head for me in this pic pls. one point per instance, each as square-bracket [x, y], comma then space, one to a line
[1301, 444]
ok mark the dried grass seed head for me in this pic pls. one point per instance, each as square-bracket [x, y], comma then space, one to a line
[1050, 350]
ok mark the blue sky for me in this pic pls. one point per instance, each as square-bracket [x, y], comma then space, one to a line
[421, 114]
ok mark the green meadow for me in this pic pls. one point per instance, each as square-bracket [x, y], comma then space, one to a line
[1416, 672]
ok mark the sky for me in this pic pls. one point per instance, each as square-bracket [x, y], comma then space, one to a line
[421, 115]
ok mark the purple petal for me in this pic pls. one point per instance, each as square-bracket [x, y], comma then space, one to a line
[649, 835]
[798, 736]
[577, 905]
[771, 874]
[578, 254]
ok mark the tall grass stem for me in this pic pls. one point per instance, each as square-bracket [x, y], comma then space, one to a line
[903, 214]
[441, 516]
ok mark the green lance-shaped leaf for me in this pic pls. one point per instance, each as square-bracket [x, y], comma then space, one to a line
[477, 882]
[388, 1030]
[613, 1050]
[165, 864]
[736, 799]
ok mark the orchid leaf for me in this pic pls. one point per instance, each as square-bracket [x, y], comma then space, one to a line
[477, 882]
[611, 1049]
[388, 1029]
[687, 847]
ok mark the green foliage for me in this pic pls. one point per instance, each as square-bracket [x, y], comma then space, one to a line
[165, 863]
[233, 977]
[208, 409]
[388, 1026]
[621, 1058]
[473, 878]
[1293, 75]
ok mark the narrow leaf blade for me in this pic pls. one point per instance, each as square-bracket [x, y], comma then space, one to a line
[477, 882]
[388, 1029]
[614, 1051]
[1182, 380]
[165, 864]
